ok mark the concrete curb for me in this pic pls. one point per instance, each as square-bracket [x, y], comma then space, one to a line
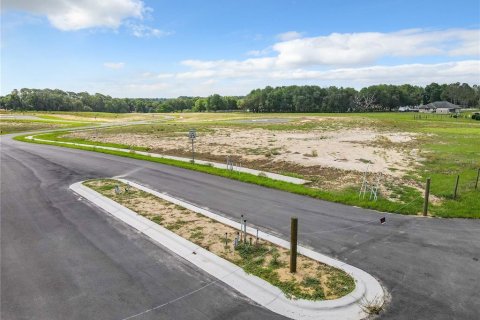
[348, 307]
[270, 175]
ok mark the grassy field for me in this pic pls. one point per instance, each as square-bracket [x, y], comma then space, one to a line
[99, 116]
[439, 147]
[20, 125]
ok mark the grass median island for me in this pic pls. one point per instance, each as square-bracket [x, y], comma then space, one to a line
[313, 280]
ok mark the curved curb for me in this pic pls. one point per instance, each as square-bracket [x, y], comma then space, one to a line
[274, 176]
[367, 288]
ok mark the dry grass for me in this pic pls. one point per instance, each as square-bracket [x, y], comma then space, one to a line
[313, 280]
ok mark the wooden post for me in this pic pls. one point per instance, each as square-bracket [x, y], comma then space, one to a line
[478, 174]
[456, 188]
[427, 194]
[293, 244]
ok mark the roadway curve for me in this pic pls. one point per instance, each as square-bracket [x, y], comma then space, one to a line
[63, 258]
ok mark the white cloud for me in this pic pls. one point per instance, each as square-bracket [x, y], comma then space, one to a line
[356, 59]
[228, 82]
[165, 75]
[341, 50]
[70, 15]
[416, 73]
[289, 35]
[462, 71]
[259, 53]
[114, 65]
[143, 31]
[365, 48]
[467, 71]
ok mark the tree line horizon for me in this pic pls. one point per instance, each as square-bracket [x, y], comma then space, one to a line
[307, 98]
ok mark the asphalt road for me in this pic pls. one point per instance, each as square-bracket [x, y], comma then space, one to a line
[65, 259]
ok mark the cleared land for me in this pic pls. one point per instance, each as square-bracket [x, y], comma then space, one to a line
[331, 151]
[313, 280]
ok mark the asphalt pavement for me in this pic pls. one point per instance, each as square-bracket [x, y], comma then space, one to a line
[62, 258]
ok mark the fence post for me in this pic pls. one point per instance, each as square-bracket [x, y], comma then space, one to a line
[427, 195]
[293, 244]
[456, 188]
[478, 174]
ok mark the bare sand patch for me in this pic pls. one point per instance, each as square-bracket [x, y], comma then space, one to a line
[352, 149]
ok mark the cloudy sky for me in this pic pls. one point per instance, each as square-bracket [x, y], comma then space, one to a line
[135, 48]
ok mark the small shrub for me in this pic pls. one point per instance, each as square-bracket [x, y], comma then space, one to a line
[371, 307]
[274, 263]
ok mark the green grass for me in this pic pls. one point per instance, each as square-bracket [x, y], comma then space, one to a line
[449, 147]
[60, 137]
[349, 196]
[253, 262]
[23, 125]
[457, 154]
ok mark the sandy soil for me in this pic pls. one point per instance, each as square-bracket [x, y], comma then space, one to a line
[347, 149]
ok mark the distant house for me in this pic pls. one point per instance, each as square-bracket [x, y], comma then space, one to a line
[439, 107]
[408, 109]
[427, 108]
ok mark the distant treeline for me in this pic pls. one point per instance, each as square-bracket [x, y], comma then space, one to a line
[280, 99]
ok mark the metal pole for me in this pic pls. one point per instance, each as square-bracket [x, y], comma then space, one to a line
[245, 231]
[427, 195]
[456, 188]
[293, 244]
[478, 174]
[193, 153]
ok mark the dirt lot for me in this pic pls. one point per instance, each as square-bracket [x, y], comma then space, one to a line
[333, 156]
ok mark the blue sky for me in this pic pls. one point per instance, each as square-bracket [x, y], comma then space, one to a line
[134, 48]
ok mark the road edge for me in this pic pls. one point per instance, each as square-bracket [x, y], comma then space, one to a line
[352, 306]
[273, 176]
